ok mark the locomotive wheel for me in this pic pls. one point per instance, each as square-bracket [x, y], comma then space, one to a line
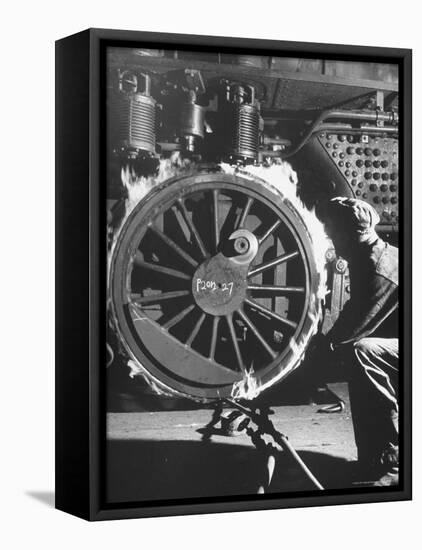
[212, 281]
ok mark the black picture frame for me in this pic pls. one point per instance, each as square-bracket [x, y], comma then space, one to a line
[81, 276]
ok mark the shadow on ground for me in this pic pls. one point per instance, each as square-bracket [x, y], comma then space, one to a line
[45, 497]
[140, 470]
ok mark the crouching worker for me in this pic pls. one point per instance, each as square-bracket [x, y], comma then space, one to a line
[365, 336]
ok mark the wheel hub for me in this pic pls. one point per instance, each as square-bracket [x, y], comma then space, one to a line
[219, 285]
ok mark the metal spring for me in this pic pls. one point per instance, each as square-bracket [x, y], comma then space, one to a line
[245, 139]
[133, 121]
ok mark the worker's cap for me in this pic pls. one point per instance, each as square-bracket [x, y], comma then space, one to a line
[347, 214]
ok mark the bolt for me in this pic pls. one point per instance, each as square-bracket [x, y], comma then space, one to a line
[241, 245]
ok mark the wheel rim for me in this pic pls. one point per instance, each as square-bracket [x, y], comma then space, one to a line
[213, 281]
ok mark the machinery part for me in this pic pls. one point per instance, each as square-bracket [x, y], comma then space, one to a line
[245, 245]
[319, 124]
[370, 166]
[132, 116]
[353, 165]
[390, 117]
[334, 408]
[241, 115]
[193, 306]
[183, 114]
[192, 118]
[266, 427]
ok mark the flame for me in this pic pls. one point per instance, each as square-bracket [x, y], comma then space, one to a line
[247, 388]
[138, 187]
[282, 180]
[137, 370]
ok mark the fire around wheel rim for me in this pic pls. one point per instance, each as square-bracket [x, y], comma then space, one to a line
[213, 285]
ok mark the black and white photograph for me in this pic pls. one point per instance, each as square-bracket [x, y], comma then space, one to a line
[210, 275]
[253, 288]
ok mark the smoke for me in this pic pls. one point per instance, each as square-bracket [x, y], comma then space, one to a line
[280, 179]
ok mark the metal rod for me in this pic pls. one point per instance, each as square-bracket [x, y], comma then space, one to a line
[362, 115]
[269, 232]
[177, 318]
[174, 246]
[192, 227]
[214, 337]
[290, 449]
[195, 330]
[245, 213]
[275, 289]
[391, 116]
[138, 260]
[229, 319]
[216, 229]
[159, 297]
[347, 128]
[256, 333]
[273, 263]
[270, 313]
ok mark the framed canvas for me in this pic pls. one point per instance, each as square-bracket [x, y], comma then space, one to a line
[233, 230]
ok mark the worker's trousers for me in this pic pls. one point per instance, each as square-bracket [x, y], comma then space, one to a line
[373, 388]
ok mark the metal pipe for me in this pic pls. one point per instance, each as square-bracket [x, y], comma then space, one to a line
[272, 119]
[391, 116]
[361, 130]
[339, 113]
[319, 120]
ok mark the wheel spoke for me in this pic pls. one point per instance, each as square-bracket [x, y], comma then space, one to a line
[215, 212]
[270, 313]
[229, 319]
[140, 262]
[174, 246]
[269, 232]
[195, 330]
[192, 227]
[153, 298]
[214, 337]
[256, 332]
[177, 318]
[245, 213]
[275, 289]
[273, 263]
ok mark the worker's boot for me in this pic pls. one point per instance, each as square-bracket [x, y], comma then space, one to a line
[377, 469]
[389, 468]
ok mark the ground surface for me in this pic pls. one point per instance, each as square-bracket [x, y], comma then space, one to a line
[161, 455]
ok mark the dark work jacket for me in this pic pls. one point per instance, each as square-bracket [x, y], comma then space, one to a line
[373, 304]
